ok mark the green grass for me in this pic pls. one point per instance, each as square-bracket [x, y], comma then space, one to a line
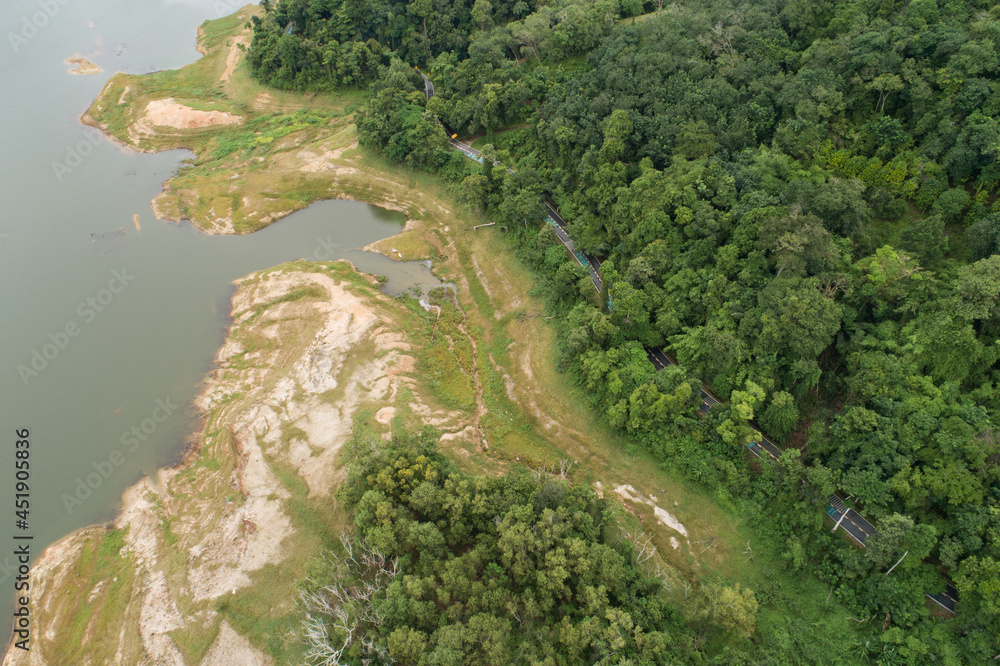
[102, 612]
[314, 516]
[261, 134]
[446, 360]
[266, 612]
[312, 291]
[194, 641]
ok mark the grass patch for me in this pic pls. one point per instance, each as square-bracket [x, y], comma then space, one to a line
[312, 291]
[446, 360]
[408, 246]
[266, 612]
[101, 609]
[194, 642]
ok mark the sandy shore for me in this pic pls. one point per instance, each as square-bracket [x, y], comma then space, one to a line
[225, 508]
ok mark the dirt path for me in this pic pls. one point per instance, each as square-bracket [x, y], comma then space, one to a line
[480, 402]
[233, 57]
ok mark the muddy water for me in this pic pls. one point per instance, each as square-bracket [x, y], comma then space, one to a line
[107, 328]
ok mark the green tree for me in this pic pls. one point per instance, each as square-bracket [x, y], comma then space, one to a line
[475, 190]
[497, 569]
[794, 322]
[522, 207]
[696, 140]
[978, 582]
[733, 609]
[983, 237]
[482, 14]
[951, 205]
[897, 535]
[925, 239]
[736, 428]
[617, 129]
[977, 290]
[884, 85]
[797, 243]
[781, 415]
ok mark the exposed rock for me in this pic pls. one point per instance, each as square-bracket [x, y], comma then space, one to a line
[199, 532]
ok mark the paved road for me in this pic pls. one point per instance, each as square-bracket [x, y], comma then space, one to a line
[469, 151]
[946, 599]
[850, 520]
[853, 523]
[585, 260]
[658, 357]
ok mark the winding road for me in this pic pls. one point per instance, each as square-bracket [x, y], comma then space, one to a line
[844, 517]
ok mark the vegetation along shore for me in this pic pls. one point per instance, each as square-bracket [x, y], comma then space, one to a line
[797, 200]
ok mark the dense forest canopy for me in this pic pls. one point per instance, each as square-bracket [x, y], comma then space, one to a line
[798, 198]
[451, 569]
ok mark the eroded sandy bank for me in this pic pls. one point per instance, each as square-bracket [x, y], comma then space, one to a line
[308, 349]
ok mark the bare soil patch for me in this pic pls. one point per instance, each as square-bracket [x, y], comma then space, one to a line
[83, 66]
[233, 57]
[169, 113]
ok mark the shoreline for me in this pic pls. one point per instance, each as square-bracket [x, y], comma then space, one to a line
[157, 203]
[245, 175]
[50, 572]
[55, 554]
[50, 569]
[88, 121]
[492, 297]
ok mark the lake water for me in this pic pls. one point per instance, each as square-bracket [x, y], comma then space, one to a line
[101, 323]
